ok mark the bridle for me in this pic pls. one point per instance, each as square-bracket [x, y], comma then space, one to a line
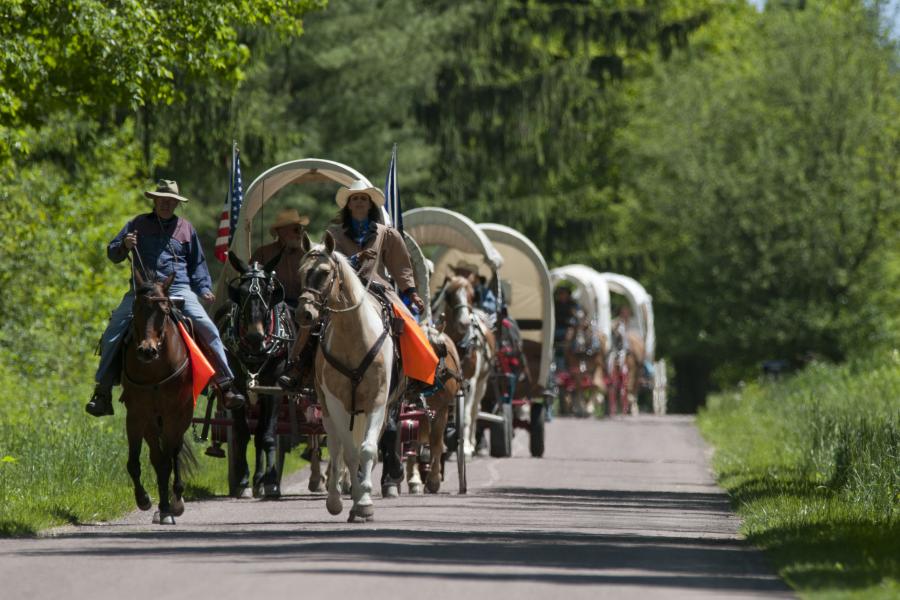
[318, 298]
[167, 314]
[255, 292]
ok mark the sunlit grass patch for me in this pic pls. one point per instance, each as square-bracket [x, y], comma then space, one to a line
[812, 465]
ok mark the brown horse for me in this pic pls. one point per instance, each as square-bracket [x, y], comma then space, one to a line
[156, 382]
[474, 340]
[623, 370]
[431, 432]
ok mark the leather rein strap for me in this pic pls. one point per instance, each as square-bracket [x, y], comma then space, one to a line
[355, 375]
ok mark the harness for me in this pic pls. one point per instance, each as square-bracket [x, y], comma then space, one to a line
[320, 301]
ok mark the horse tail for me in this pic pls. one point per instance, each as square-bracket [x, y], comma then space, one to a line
[189, 463]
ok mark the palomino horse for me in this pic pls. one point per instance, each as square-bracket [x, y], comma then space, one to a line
[257, 331]
[353, 367]
[623, 370]
[156, 382]
[431, 431]
[474, 340]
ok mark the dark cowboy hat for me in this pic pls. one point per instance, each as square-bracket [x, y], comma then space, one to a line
[165, 188]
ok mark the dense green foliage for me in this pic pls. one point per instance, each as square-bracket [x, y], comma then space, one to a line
[813, 466]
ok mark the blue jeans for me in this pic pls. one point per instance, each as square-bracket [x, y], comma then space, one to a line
[108, 373]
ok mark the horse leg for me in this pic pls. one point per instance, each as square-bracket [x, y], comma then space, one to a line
[335, 449]
[477, 393]
[241, 430]
[436, 443]
[266, 445]
[177, 483]
[316, 481]
[135, 441]
[363, 507]
[392, 465]
[161, 457]
[413, 478]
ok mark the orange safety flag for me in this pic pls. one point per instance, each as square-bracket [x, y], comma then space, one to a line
[419, 359]
[201, 370]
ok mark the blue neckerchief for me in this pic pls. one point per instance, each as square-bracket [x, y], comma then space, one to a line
[359, 229]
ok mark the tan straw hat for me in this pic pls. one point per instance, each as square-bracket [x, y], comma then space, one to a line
[359, 187]
[288, 216]
[165, 188]
[465, 267]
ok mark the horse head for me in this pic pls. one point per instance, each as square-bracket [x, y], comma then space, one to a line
[459, 311]
[256, 292]
[319, 270]
[152, 307]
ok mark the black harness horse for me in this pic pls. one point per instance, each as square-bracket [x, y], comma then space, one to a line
[258, 332]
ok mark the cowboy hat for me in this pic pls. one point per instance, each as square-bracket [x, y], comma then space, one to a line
[288, 216]
[165, 188]
[359, 187]
[464, 266]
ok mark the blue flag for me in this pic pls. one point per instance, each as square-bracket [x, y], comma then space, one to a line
[392, 193]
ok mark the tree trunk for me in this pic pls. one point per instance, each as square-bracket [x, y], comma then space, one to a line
[691, 383]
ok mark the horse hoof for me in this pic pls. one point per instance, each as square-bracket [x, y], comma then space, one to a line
[432, 487]
[144, 502]
[272, 491]
[415, 489]
[163, 518]
[362, 514]
[259, 491]
[178, 507]
[391, 490]
[316, 486]
[334, 505]
[346, 488]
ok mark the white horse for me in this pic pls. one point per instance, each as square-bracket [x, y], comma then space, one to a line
[474, 340]
[353, 367]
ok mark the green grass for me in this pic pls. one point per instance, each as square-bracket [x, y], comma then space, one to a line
[59, 465]
[812, 464]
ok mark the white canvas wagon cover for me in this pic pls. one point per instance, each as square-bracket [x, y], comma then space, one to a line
[591, 292]
[458, 239]
[529, 295]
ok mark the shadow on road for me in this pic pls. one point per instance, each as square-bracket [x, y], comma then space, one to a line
[462, 549]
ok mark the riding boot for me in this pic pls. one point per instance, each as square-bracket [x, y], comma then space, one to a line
[101, 402]
[231, 398]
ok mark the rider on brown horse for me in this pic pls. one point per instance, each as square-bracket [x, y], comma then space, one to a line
[167, 245]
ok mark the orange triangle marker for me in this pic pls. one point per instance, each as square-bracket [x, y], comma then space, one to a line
[201, 370]
[419, 359]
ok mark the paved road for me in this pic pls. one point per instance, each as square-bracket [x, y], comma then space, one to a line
[621, 508]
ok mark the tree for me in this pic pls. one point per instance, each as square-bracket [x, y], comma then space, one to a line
[763, 176]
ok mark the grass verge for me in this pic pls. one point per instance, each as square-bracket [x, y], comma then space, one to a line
[812, 465]
[59, 465]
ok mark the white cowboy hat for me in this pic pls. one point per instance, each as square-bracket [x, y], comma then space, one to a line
[165, 188]
[288, 216]
[359, 187]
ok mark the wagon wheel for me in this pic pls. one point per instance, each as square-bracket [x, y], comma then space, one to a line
[536, 430]
[502, 433]
[460, 455]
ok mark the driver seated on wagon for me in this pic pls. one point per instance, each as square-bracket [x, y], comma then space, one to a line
[287, 231]
[166, 244]
[359, 234]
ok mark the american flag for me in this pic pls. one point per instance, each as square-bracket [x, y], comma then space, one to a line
[392, 193]
[231, 210]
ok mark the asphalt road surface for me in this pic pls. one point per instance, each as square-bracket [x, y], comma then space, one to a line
[616, 509]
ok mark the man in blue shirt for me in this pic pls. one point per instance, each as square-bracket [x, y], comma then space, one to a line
[165, 244]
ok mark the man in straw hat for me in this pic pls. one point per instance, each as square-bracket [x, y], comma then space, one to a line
[165, 244]
[287, 231]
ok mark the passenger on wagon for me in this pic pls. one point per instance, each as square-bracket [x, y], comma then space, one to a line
[165, 244]
[288, 230]
[484, 297]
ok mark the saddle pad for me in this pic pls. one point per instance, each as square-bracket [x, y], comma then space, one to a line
[419, 359]
[201, 370]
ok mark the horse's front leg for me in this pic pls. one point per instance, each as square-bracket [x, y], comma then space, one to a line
[265, 478]
[335, 450]
[316, 480]
[178, 484]
[363, 507]
[135, 440]
[241, 479]
[161, 456]
[436, 442]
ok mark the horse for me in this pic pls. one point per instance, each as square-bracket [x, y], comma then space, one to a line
[431, 430]
[353, 366]
[623, 370]
[467, 328]
[157, 392]
[583, 355]
[257, 330]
